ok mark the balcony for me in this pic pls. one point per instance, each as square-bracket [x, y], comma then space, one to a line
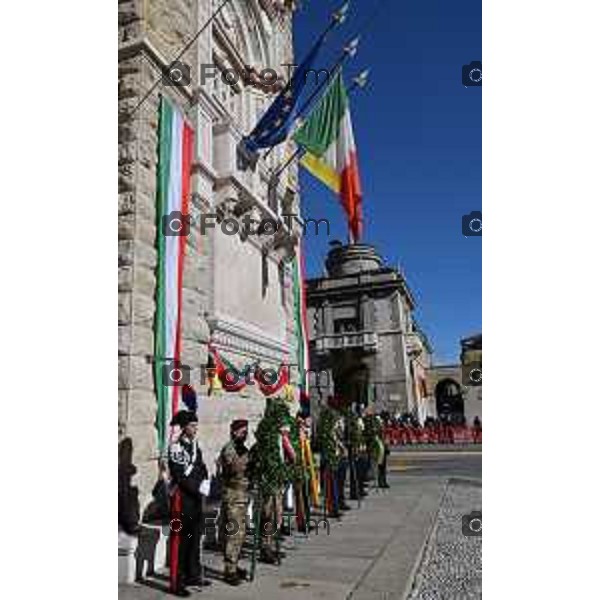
[366, 341]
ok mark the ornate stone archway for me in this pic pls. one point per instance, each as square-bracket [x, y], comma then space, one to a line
[450, 404]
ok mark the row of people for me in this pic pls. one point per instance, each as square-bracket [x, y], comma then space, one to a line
[240, 468]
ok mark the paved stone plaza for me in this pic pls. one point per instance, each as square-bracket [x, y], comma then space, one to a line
[376, 551]
[451, 567]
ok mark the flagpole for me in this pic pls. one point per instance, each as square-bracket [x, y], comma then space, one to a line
[337, 18]
[349, 51]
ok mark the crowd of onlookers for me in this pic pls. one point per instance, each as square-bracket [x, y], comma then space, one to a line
[406, 429]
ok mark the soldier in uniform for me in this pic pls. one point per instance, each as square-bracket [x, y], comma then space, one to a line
[233, 464]
[272, 506]
[188, 473]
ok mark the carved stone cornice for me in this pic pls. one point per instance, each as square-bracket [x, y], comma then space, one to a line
[229, 334]
[144, 46]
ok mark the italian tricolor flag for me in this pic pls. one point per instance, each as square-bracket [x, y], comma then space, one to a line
[328, 139]
[175, 145]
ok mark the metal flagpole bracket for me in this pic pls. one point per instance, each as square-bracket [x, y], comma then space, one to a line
[340, 15]
[361, 80]
[352, 47]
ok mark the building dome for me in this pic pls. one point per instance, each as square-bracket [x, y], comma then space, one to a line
[352, 259]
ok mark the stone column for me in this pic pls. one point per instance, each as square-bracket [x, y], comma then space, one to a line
[367, 310]
[327, 318]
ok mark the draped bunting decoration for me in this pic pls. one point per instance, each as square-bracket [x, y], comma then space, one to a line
[231, 379]
[268, 389]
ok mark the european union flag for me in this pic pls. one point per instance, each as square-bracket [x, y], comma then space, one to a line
[274, 126]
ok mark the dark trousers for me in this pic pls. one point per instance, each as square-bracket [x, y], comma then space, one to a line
[342, 471]
[382, 471]
[362, 472]
[184, 539]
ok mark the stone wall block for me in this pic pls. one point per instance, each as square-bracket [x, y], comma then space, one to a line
[170, 25]
[144, 310]
[126, 227]
[123, 413]
[123, 372]
[126, 203]
[146, 207]
[125, 278]
[125, 252]
[192, 278]
[145, 447]
[142, 340]
[125, 335]
[128, 152]
[145, 254]
[141, 374]
[192, 352]
[145, 230]
[144, 280]
[126, 177]
[125, 308]
[142, 408]
[147, 185]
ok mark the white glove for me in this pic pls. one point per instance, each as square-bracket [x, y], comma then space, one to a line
[205, 487]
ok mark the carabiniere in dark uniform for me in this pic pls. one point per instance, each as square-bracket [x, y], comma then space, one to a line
[187, 471]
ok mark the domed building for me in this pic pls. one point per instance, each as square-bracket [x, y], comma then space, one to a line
[365, 344]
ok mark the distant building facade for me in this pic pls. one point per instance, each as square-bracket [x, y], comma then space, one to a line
[457, 389]
[364, 343]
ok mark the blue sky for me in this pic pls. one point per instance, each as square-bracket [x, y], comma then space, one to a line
[418, 132]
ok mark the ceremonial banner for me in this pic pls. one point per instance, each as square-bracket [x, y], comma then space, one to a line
[175, 144]
[328, 138]
[301, 323]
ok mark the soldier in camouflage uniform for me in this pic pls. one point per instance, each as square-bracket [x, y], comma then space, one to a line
[272, 505]
[233, 463]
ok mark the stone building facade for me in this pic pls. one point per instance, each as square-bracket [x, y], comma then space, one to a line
[456, 397]
[235, 289]
[365, 345]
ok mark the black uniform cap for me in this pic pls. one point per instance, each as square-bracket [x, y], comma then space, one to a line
[238, 424]
[183, 418]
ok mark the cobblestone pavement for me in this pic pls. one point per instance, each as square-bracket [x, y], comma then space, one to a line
[451, 565]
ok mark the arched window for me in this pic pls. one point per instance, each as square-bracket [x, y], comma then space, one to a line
[449, 401]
